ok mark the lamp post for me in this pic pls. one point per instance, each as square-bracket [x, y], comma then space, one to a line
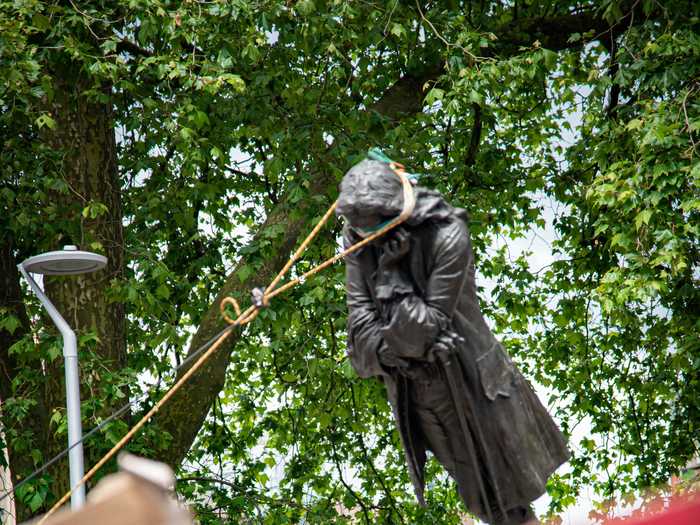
[69, 261]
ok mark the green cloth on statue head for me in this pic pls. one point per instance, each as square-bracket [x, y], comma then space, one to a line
[378, 154]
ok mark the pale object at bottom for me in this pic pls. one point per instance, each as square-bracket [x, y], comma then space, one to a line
[139, 494]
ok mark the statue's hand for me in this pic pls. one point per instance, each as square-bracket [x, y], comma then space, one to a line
[394, 248]
[443, 346]
[388, 358]
[437, 352]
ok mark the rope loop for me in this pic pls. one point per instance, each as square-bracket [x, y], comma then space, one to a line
[236, 307]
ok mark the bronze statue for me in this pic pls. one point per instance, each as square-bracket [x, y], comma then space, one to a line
[414, 322]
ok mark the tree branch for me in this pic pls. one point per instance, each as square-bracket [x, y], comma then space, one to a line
[475, 138]
[359, 500]
[127, 46]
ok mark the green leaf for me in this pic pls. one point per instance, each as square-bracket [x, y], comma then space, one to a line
[398, 30]
[44, 120]
[324, 420]
[200, 119]
[41, 22]
[186, 133]
[163, 291]
[235, 81]
[634, 124]
[251, 52]
[305, 7]
[9, 323]
[112, 435]
[347, 370]
[35, 501]
[215, 153]
[24, 345]
[550, 57]
[54, 351]
[94, 210]
[642, 218]
[476, 97]
[434, 95]
[56, 418]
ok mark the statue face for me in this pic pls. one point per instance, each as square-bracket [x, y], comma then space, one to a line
[370, 195]
[358, 219]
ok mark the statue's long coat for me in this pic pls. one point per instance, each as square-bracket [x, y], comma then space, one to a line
[524, 443]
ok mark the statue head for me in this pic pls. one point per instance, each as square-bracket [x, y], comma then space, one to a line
[370, 194]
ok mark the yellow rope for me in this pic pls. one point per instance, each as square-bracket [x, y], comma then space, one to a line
[251, 313]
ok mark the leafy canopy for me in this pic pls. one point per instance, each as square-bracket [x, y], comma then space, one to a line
[234, 122]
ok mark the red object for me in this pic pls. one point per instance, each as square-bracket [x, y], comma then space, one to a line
[683, 512]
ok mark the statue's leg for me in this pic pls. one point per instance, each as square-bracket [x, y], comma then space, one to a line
[437, 419]
[432, 408]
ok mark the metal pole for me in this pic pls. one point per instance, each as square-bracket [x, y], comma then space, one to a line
[70, 357]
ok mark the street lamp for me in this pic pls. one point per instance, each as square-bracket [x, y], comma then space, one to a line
[69, 261]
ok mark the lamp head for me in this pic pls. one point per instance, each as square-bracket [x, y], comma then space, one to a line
[69, 261]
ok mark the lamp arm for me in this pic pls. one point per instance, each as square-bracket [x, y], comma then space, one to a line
[72, 373]
[70, 343]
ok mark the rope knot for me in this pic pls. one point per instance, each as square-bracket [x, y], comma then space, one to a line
[259, 298]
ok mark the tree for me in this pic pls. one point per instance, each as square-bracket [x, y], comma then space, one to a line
[215, 134]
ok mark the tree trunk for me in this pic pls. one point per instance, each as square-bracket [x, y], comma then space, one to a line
[84, 133]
